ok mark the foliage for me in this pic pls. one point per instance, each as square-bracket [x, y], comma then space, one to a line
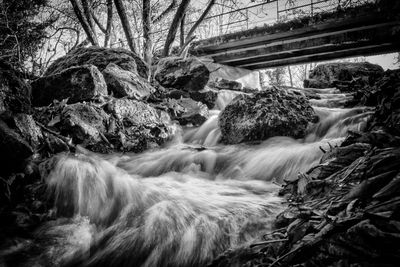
[20, 34]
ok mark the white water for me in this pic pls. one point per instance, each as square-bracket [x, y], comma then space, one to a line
[183, 204]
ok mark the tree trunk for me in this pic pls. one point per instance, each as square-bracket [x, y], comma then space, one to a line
[147, 41]
[88, 14]
[107, 34]
[290, 76]
[182, 32]
[180, 12]
[85, 24]
[125, 24]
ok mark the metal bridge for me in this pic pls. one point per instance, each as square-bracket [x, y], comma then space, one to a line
[243, 37]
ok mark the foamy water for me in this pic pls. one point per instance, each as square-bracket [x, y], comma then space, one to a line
[183, 204]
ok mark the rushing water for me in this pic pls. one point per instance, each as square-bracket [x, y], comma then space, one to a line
[183, 204]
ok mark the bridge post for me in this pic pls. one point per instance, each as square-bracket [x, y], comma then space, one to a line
[312, 8]
[277, 10]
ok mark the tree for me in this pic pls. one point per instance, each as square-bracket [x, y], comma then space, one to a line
[147, 40]
[180, 12]
[85, 20]
[190, 36]
[21, 35]
[125, 24]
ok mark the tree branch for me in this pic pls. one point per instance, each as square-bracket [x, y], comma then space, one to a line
[165, 12]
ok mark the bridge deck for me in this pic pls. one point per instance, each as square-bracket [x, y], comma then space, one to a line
[366, 35]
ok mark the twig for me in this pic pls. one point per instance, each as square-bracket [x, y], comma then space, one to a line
[268, 242]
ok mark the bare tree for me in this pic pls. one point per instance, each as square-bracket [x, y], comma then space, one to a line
[189, 36]
[107, 34]
[125, 24]
[180, 12]
[147, 40]
[84, 22]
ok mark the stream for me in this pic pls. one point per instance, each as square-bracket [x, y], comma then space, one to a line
[185, 203]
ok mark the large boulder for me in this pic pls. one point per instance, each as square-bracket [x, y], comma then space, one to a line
[14, 91]
[330, 74]
[123, 83]
[100, 57]
[273, 112]
[78, 84]
[188, 74]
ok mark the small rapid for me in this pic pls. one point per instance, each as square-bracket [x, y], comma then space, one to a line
[185, 203]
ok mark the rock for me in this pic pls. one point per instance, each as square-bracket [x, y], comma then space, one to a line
[139, 126]
[183, 74]
[225, 84]
[206, 97]
[387, 95]
[100, 57]
[327, 75]
[28, 129]
[187, 111]
[78, 84]
[126, 83]
[273, 112]
[85, 123]
[14, 91]
[13, 149]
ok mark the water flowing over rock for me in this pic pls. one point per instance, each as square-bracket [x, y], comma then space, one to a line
[273, 112]
[183, 74]
[328, 75]
[78, 84]
[14, 91]
[126, 83]
[100, 57]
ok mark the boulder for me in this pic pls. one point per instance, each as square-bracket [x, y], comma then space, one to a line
[85, 123]
[187, 111]
[14, 91]
[138, 125]
[273, 112]
[26, 126]
[123, 83]
[225, 84]
[100, 57]
[13, 149]
[328, 75]
[188, 74]
[207, 97]
[78, 84]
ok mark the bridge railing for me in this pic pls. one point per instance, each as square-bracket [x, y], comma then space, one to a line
[262, 14]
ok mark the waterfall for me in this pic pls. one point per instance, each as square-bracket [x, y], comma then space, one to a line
[185, 203]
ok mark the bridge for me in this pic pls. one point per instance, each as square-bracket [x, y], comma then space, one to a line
[322, 32]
